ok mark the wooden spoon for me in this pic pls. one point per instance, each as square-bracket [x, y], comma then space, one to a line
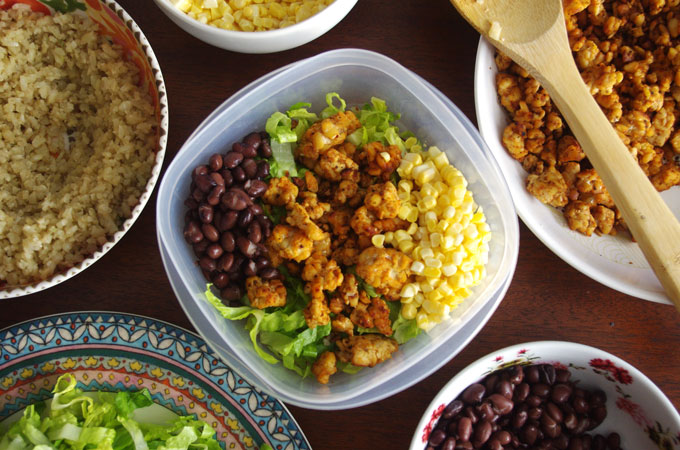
[533, 34]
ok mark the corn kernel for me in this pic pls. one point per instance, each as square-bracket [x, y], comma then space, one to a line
[412, 229]
[413, 157]
[405, 185]
[401, 235]
[412, 215]
[435, 239]
[449, 269]
[441, 160]
[433, 262]
[419, 299]
[409, 311]
[426, 253]
[417, 267]
[433, 151]
[410, 142]
[409, 290]
[378, 240]
[406, 245]
[432, 272]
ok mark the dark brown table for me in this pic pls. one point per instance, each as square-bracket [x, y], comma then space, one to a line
[547, 299]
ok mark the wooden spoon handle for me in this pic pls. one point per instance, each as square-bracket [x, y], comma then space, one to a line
[649, 219]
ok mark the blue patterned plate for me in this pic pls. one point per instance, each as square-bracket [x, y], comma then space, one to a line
[112, 352]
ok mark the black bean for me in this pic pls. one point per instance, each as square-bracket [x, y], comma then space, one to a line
[533, 400]
[532, 374]
[562, 375]
[560, 392]
[249, 151]
[501, 404]
[269, 273]
[614, 440]
[253, 139]
[580, 405]
[597, 415]
[255, 232]
[228, 241]
[597, 398]
[505, 388]
[482, 433]
[575, 443]
[520, 417]
[210, 232]
[208, 264]
[516, 375]
[599, 442]
[200, 247]
[540, 389]
[214, 251]
[549, 426]
[198, 195]
[521, 392]
[265, 149]
[244, 218]
[452, 409]
[226, 261]
[470, 412]
[220, 280]
[232, 160]
[436, 438]
[529, 434]
[262, 263]
[473, 394]
[256, 188]
[249, 166]
[193, 233]
[493, 444]
[227, 177]
[215, 162]
[503, 437]
[535, 413]
[239, 174]
[561, 442]
[464, 429]
[199, 170]
[262, 169]
[231, 292]
[204, 182]
[250, 268]
[234, 199]
[237, 147]
[547, 374]
[449, 443]
[486, 412]
[215, 195]
[554, 411]
[246, 246]
[570, 421]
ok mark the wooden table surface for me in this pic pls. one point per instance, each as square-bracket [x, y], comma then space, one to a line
[547, 299]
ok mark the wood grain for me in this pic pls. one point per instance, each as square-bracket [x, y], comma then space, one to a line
[546, 300]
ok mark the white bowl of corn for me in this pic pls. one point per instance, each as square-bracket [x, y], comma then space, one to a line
[256, 26]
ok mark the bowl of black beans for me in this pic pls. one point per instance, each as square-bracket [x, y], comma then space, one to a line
[549, 395]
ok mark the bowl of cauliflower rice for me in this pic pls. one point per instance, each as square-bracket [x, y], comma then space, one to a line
[335, 232]
[82, 143]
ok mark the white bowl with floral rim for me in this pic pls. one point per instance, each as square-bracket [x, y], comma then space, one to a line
[636, 408]
[117, 24]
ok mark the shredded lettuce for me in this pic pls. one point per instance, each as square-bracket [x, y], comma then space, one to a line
[74, 420]
[283, 330]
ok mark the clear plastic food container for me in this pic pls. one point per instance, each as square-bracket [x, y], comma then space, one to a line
[356, 75]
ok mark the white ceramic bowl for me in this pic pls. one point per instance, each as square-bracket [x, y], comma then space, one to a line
[614, 261]
[115, 22]
[261, 41]
[636, 407]
[356, 75]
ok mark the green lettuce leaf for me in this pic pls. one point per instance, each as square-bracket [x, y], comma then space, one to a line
[75, 420]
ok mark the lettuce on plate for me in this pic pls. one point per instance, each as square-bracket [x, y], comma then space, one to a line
[75, 420]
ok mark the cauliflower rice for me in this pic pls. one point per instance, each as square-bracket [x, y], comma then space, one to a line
[77, 141]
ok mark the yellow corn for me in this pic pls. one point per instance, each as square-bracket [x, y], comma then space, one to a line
[378, 240]
[447, 237]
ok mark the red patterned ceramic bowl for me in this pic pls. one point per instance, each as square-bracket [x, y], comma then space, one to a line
[636, 408]
[115, 23]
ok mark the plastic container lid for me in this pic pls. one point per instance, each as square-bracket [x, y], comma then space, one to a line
[356, 75]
